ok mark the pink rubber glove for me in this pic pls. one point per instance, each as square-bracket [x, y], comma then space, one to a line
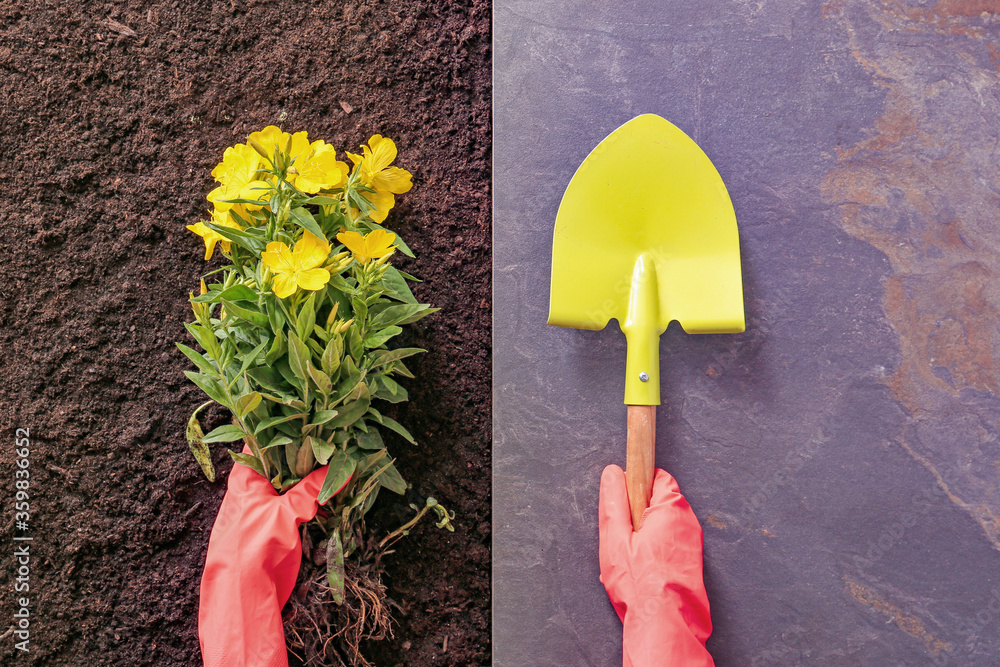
[253, 560]
[654, 575]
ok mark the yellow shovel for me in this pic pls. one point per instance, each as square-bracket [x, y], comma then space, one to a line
[646, 234]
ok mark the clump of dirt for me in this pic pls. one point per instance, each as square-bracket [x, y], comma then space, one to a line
[114, 114]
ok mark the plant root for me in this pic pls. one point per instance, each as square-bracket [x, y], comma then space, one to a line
[318, 631]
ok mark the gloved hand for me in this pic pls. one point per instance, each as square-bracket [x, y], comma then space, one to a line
[253, 560]
[654, 575]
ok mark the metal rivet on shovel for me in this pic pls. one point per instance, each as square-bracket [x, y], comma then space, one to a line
[646, 234]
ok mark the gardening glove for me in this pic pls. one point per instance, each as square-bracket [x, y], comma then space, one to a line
[253, 560]
[654, 575]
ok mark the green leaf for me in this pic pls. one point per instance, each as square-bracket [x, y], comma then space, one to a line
[254, 202]
[240, 220]
[320, 333]
[322, 200]
[225, 433]
[278, 348]
[200, 361]
[383, 357]
[395, 286]
[283, 366]
[403, 313]
[303, 218]
[205, 337]
[248, 403]
[392, 480]
[274, 315]
[390, 390]
[394, 425]
[370, 500]
[330, 359]
[354, 342]
[341, 468]
[321, 379]
[246, 312]
[305, 460]
[379, 338]
[292, 455]
[234, 293]
[339, 285]
[298, 356]
[307, 317]
[201, 452]
[268, 378]
[273, 421]
[251, 357]
[322, 450]
[210, 387]
[399, 368]
[350, 412]
[228, 352]
[357, 200]
[249, 241]
[350, 377]
[335, 567]
[359, 308]
[249, 461]
[278, 441]
[323, 416]
[370, 440]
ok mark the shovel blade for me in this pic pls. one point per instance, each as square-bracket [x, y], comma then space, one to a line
[647, 193]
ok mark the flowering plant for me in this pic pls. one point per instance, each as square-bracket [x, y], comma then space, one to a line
[295, 329]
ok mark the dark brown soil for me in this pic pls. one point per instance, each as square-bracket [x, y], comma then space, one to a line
[113, 115]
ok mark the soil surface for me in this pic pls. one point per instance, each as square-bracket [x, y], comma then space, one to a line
[113, 116]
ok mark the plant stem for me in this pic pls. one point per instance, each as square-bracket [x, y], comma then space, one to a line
[404, 529]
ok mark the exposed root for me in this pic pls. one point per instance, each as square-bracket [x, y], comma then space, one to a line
[318, 631]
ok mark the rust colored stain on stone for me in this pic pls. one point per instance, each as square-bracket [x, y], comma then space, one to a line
[924, 188]
[908, 623]
[967, 8]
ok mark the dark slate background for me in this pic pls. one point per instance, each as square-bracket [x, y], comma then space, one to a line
[843, 453]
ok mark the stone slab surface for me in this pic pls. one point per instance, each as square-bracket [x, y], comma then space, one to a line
[843, 453]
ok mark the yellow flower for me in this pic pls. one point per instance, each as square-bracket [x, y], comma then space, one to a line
[375, 172]
[237, 174]
[212, 237]
[375, 245]
[314, 166]
[271, 139]
[298, 268]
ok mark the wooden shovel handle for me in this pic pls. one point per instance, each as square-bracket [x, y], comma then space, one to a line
[639, 459]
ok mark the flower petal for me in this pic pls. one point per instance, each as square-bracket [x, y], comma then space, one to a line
[271, 138]
[209, 236]
[310, 251]
[355, 242]
[300, 149]
[312, 279]
[383, 152]
[284, 285]
[393, 179]
[217, 195]
[383, 201]
[321, 170]
[278, 258]
[379, 242]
